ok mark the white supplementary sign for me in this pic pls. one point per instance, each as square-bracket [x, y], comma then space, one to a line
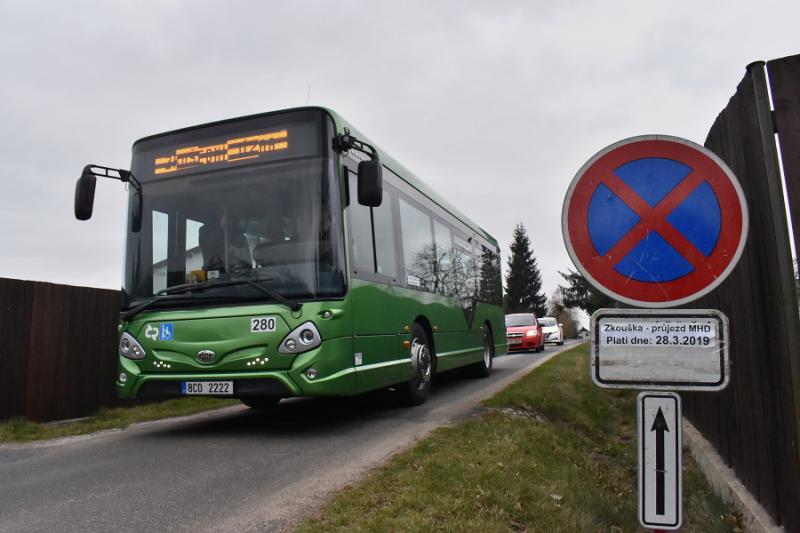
[680, 349]
[659, 440]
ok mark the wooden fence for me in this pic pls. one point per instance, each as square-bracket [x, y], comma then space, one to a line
[58, 349]
[754, 423]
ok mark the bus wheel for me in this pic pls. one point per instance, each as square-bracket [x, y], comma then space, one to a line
[419, 386]
[261, 403]
[483, 368]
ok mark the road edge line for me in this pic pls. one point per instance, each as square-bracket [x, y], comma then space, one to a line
[522, 372]
[466, 404]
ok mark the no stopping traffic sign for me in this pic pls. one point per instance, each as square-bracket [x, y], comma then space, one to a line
[655, 221]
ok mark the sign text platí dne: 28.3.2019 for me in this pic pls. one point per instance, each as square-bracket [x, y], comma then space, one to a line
[654, 332]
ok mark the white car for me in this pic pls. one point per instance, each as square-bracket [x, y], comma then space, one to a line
[551, 330]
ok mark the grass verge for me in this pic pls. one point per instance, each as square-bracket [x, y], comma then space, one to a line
[21, 430]
[552, 452]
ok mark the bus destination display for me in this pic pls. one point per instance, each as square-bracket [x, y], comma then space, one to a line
[222, 153]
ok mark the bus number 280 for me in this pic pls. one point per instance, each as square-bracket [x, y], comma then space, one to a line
[262, 323]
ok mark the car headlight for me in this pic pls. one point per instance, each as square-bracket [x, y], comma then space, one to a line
[301, 339]
[531, 333]
[130, 348]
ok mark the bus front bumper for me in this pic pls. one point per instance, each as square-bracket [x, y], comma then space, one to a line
[334, 377]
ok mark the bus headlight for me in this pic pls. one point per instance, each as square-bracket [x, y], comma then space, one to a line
[301, 339]
[130, 348]
[307, 336]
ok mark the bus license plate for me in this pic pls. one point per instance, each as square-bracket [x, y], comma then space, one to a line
[515, 341]
[207, 388]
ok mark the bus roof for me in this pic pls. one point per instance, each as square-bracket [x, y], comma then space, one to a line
[386, 159]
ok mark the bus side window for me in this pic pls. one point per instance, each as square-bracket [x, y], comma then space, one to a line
[418, 250]
[491, 284]
[160, 250]
[384, 237]
[463, 282]
[445, 273]
[362, 257]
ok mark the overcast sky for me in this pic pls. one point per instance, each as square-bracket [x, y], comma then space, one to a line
[495, 104]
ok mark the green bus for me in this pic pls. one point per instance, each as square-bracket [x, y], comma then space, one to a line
[282, 254]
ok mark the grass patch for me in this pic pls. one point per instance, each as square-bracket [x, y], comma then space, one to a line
[552, 452]
[21, 430]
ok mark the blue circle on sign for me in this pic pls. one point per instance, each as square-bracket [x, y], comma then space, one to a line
[698, 219]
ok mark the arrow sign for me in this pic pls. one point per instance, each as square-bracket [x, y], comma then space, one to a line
[659, 426]
[659, 429]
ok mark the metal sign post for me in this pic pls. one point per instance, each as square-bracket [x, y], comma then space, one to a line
[656, 222]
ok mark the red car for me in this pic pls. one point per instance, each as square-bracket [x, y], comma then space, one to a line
[524, 333]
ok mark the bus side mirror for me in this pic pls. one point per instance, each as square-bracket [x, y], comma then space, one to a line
[136, 212]
[370, 182]
[84, 192]
[84, 195]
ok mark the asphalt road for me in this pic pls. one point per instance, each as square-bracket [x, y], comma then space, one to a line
[229, 470]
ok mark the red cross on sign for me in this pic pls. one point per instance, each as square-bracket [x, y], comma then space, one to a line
[655, 221]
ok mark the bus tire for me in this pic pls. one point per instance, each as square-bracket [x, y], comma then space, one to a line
[261, 403]
[416, 390]
[483, 368]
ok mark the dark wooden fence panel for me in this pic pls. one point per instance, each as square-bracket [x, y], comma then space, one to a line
[57, 349]
[16, 301]
[784, 80]
[754, 422]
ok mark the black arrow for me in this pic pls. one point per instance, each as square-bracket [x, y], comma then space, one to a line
[659, 426]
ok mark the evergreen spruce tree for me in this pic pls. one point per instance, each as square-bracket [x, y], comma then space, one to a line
[580, 293]
[523, 281]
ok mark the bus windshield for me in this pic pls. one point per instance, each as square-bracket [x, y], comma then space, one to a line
[277, 222]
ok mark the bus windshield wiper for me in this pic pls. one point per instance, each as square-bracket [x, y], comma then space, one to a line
[256, 284]
[177, 293]
[130, 313]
